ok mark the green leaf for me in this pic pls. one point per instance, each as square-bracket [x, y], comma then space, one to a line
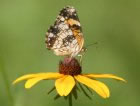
[86, 94]
[74, 92]
[51, 90]
[57, 96]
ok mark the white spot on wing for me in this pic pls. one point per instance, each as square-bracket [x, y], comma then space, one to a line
[50, 35]
[62, 19]
[63, 26]
[72, 9]
[70, 32]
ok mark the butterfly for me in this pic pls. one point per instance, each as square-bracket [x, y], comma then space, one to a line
[65, 37]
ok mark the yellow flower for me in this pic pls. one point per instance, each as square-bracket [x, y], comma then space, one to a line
[68, 76]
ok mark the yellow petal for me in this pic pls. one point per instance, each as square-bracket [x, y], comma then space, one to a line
[97, 86]
[31, 82]
[43, 75]
[104, 76]
[24, 77]
[64, 85]
[49, 75]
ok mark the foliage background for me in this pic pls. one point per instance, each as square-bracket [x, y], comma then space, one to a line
[114, 24]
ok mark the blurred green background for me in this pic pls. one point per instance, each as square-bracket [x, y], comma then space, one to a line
[114, 24]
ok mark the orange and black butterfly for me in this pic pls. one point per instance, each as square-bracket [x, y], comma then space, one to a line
[65, 37]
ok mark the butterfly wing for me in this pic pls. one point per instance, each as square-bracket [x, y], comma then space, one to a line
[65, 36]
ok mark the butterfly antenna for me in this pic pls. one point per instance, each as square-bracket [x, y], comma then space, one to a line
[91, 44]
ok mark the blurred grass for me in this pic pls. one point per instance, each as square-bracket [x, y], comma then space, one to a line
[6, 84]
[114, 24]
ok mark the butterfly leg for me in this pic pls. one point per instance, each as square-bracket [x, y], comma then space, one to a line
[81, 56]
[82, 52]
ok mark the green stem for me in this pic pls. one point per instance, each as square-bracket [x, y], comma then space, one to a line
[70, 99]
[6, 82]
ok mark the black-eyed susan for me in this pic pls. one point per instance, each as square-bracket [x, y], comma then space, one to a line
[67, 78]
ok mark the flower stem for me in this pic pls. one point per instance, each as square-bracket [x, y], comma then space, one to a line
[70, 99]
[6, 82]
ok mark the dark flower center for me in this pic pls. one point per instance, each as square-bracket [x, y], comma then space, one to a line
[69, 66]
